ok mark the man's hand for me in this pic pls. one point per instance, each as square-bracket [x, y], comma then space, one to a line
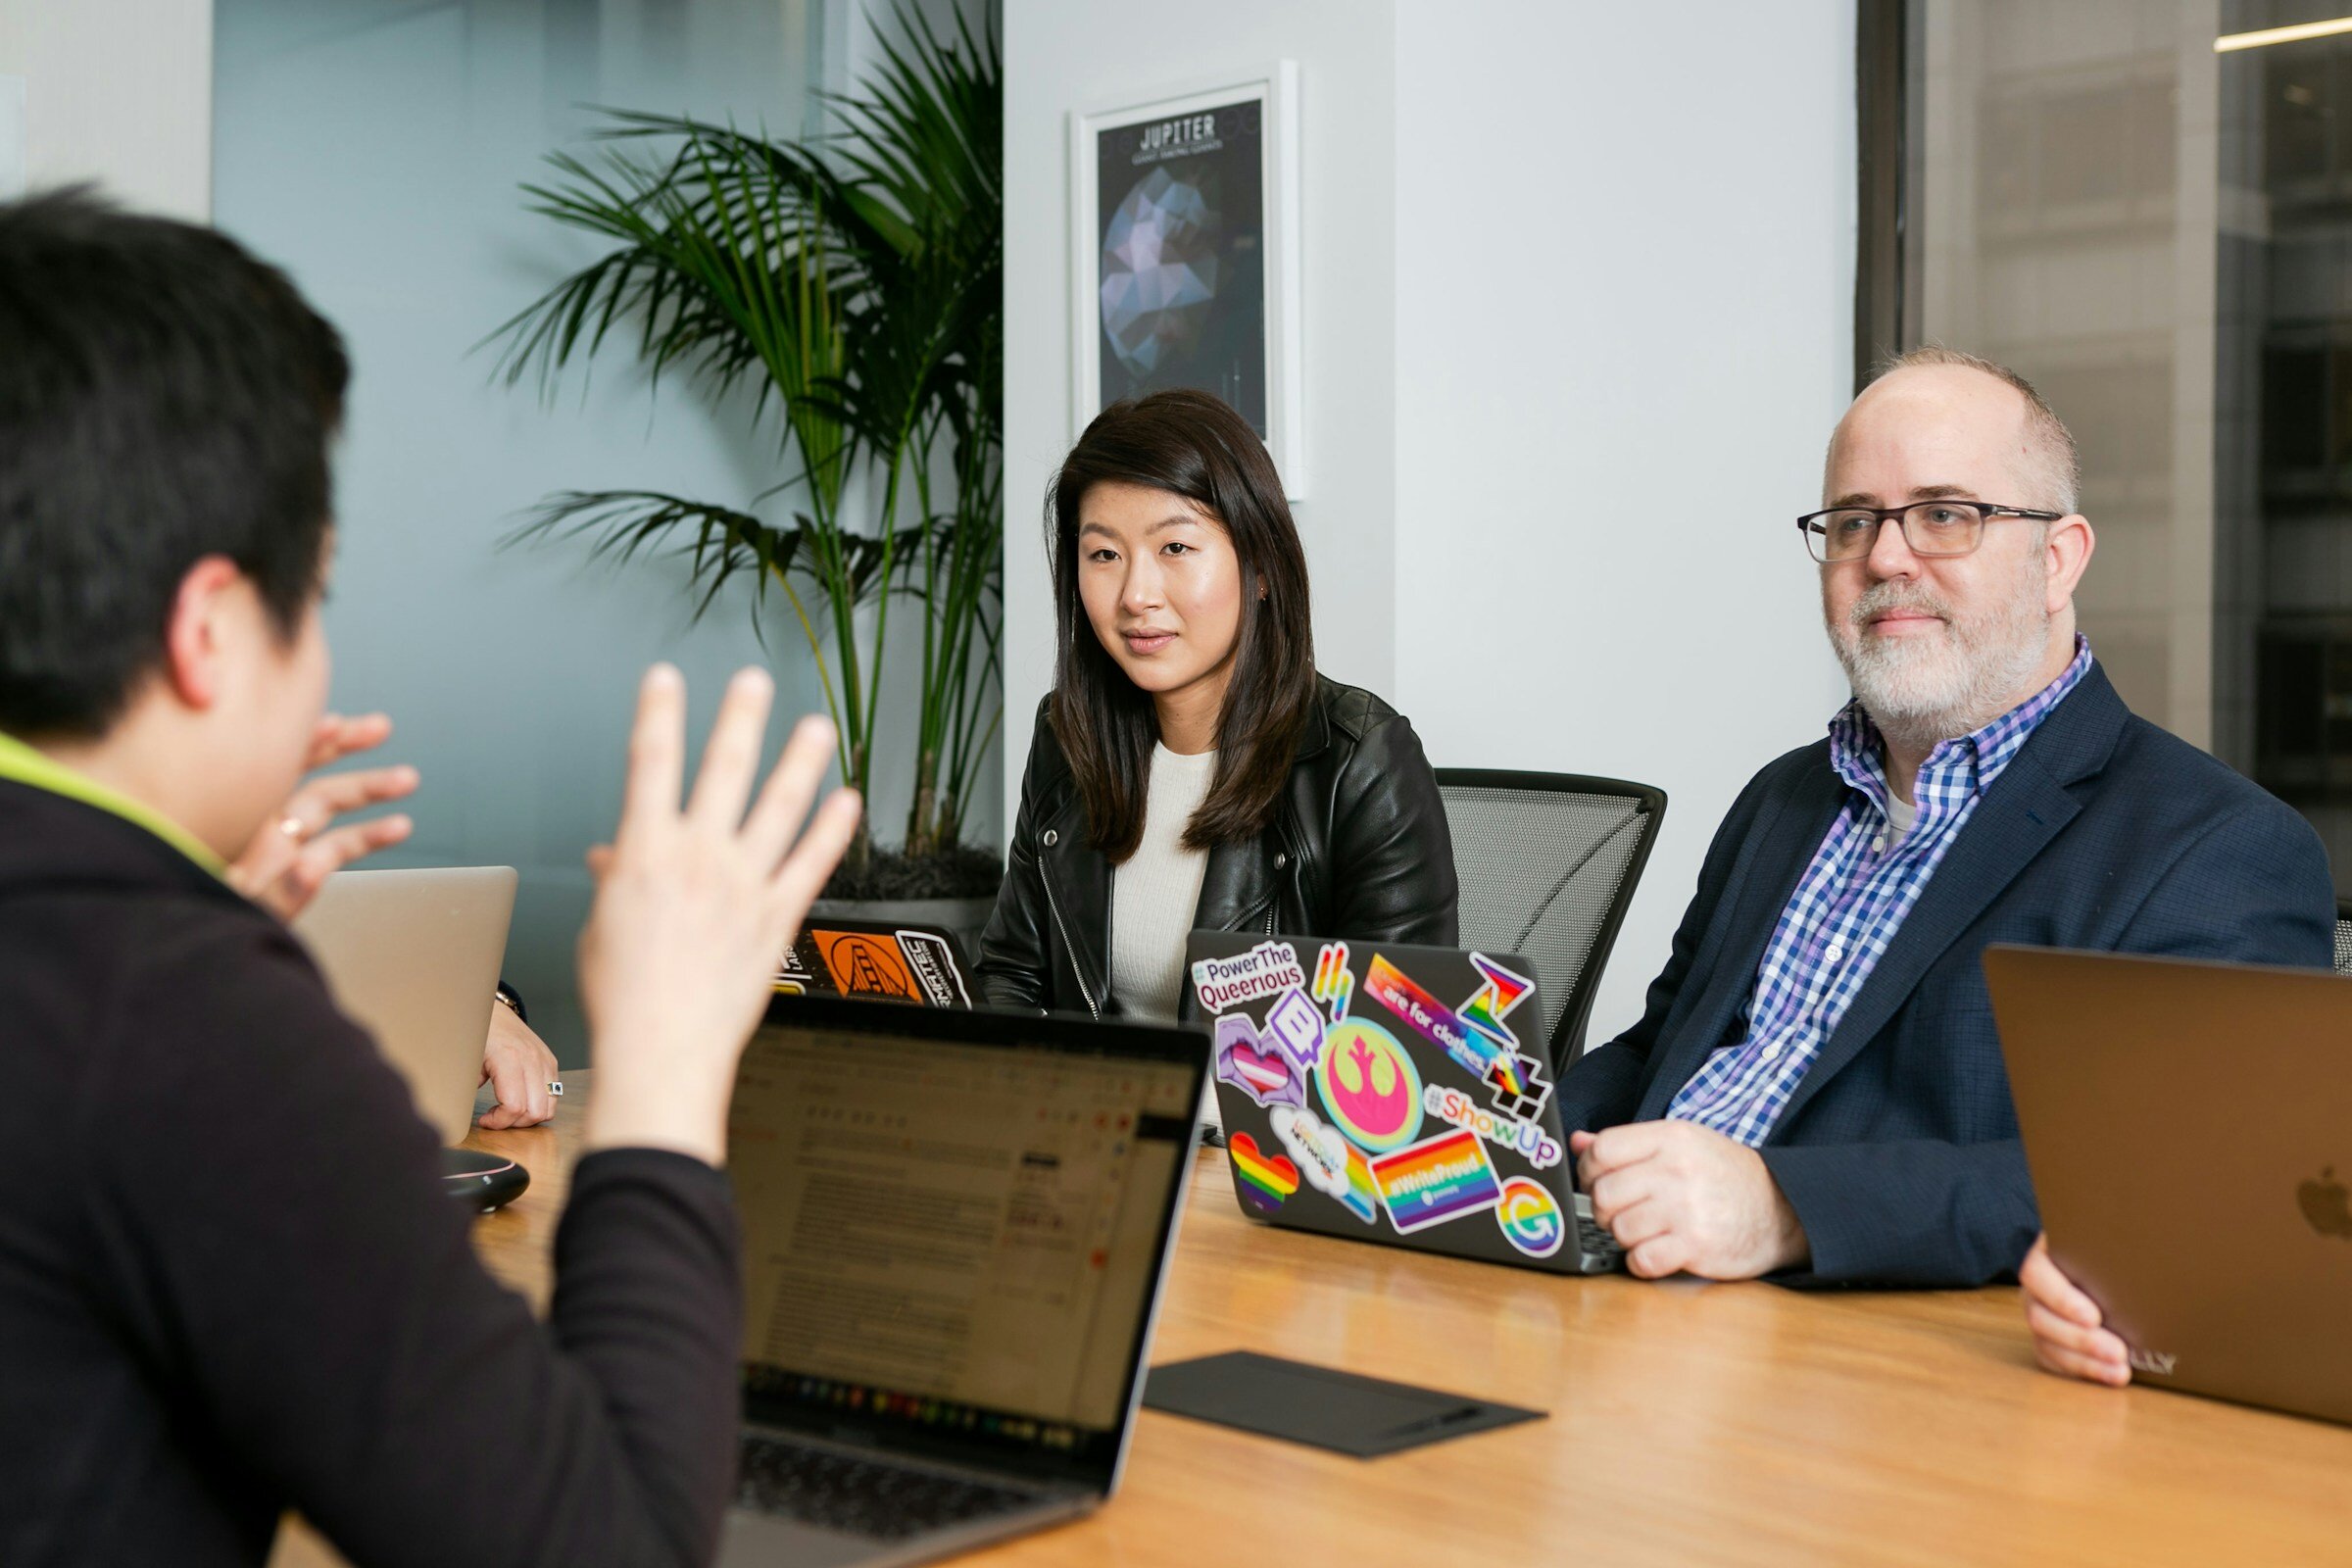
[297, 849]
[517, 1062]
[2069, 1337]
[1683, 1198]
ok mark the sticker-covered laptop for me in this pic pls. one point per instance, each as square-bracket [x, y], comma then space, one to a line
[876, 961]
[1392, 1094]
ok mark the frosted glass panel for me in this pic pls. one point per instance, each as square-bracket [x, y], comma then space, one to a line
[373, 148]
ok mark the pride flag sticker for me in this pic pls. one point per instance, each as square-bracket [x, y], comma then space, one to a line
[1263, 1180]
[1435, 1180]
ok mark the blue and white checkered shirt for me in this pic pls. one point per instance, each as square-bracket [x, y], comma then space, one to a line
[1848, 906]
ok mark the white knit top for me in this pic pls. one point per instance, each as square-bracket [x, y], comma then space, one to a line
[1155, 892]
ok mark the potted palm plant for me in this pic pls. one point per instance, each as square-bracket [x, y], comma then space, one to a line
[854, 280]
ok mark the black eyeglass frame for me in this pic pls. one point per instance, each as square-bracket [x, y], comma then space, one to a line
[1810, 526]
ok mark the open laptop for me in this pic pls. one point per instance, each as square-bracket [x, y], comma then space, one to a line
[414, 956]
[2190, 1131]
[888, 961]
[1392, 1094]
[956, 1226]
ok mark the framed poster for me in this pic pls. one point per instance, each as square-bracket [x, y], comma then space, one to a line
[1184, 253]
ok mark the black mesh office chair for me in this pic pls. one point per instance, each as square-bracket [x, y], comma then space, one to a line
[1548, 862]
[2344, 934]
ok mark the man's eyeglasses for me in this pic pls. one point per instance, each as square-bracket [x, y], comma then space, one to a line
[1930, 527]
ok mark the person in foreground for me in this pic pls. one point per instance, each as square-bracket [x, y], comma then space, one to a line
[1189, 769]
[1815, 1086]
[291, 857]
[229, 1283]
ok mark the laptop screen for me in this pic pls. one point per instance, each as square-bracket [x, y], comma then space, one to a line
[951, 1240]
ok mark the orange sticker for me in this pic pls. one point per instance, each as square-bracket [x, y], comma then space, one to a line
[865, 964]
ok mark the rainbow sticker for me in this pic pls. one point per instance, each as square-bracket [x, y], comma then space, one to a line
[1369, 1085]
[1494, 1000]
[1438, 1179]
[1263, 1180]
[1529, 1218]
[1333, 986]
[1364, 1198]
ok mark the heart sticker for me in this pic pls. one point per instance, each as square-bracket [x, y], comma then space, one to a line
[1257, 1065]
[1266, 1179]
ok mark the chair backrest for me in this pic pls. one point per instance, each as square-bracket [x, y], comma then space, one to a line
[1548, 862]
[2344, 936]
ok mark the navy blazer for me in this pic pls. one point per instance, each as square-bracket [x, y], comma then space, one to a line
[1899, 1149]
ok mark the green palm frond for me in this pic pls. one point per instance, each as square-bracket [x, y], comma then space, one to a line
[854, 281]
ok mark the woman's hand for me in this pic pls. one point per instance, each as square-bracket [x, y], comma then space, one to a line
[2069, 1335]
[693, 909]
[517, 1062]
[299, 847]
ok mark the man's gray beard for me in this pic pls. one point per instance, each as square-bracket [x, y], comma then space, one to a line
[1921, 690]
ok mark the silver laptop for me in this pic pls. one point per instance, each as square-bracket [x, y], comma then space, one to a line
[414, 956]
[2190, 1131]
[956, 1225]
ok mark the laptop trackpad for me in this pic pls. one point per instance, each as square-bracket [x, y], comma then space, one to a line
[769, 1541]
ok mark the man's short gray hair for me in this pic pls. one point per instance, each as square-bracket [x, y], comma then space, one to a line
[2051, 460]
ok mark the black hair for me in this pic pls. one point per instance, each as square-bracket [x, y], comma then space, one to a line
[1193, 445]
[164, 398]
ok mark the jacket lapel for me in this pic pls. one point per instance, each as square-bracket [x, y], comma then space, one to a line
[1077, 881]
[1239, 885]
[2026, 808]
[1779, 845]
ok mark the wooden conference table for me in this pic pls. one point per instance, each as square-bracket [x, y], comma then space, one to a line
[1690, 1423]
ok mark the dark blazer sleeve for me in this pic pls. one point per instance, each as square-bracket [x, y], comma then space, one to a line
[266, 1214]
[1013, 956]
[1603, 1086]
[1392, 858]
[2253, 888]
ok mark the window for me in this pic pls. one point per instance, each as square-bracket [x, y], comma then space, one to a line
[2157, 232]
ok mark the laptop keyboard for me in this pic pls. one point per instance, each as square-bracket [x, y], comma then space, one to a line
[1594, 1237]
[862, 1497]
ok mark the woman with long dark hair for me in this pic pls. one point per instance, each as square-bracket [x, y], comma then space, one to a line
[1190, 769]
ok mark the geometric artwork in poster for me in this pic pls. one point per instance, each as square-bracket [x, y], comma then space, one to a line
[1184, 253]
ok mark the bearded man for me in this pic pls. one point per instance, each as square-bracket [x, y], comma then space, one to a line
[1815, 1090]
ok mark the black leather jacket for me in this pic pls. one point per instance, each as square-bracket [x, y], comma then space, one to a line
[1357, 850]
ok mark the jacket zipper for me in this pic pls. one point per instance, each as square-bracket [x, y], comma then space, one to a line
[1065, 931]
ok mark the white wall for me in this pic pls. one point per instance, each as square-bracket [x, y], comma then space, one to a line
[1570, 268]
[117, 91]
[1062, 55]
[1625, 265]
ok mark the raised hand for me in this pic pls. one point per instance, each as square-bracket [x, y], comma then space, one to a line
[300, 848]
[694, 906]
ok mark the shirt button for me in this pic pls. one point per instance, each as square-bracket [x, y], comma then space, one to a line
[1772, 1052]
[1833, 951]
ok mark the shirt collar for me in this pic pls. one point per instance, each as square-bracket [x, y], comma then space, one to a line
[1857, 753]
[21, 764]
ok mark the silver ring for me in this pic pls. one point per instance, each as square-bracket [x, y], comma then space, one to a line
[556, 1088]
